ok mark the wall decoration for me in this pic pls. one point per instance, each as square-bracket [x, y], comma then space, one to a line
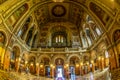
[59, 61]
[58, 10]
[76, 14]
[41, 15]
[43, 34]
[17, 15]
[100, 13]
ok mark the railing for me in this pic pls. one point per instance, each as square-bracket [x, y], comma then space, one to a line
[54, 50]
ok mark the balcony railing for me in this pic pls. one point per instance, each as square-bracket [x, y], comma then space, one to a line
[54, 50]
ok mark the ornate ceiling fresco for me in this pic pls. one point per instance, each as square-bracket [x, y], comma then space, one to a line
[74, 16]
[59, 12]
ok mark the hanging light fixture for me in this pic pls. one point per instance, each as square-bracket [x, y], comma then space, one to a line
[58, 0]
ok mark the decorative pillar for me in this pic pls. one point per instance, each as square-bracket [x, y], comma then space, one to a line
[77, 69]
[102, 63]
[17, 64]
[67, 70]
[37, 68]
[81, 70]
[52, 70]
[41, 69]
[93, 66]
[88, 67]
[99, 63]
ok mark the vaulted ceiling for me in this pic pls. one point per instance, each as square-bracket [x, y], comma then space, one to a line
[59, 12]
[72, 16]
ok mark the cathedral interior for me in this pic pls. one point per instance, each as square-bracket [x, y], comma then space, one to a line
[59, 39]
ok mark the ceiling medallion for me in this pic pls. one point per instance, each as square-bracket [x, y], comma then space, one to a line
[58, 10]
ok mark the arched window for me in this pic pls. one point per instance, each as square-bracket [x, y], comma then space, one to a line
[29, 36]
[24, 29]
[98, 31]
[84, 40]
[88, 35]
[59, 39]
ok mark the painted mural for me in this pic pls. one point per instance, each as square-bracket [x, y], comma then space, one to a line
[17, 15]
[99, 12]
[41, 15]
[76, 14]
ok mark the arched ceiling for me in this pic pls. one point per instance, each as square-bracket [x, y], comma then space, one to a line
[74, 12]
[59, 12]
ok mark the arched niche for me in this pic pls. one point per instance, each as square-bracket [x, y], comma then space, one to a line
[45, 61]
[16, 53]
[15, 57]
[58, 56]
[59, 61]
[59, 36]
[116, 35]
[73, 60]
[32, 64]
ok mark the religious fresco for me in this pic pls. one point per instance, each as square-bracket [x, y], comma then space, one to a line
[17, 15]
[59, 61]
[76, 14]
[99, 12]
[41, 15]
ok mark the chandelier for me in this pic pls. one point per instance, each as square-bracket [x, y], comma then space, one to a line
[58, 0]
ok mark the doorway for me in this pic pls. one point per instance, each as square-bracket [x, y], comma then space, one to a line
[47, 71]
[59, 73]
[72, 72]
